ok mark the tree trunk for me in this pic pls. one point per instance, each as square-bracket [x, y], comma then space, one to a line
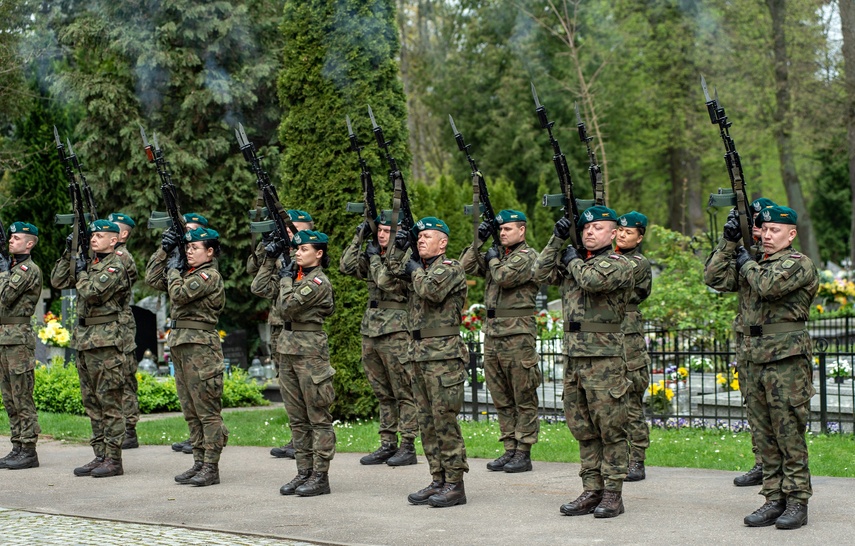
[847, 21]
[784, 128]
[685, 172]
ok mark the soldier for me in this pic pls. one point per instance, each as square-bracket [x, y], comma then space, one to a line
[510, 354]
[130, 403]
[196, 297]
[103, 291]
[385, 344]
[437, 290]
[630, 233]
[595, 291]
[305, 299]
[20, 289]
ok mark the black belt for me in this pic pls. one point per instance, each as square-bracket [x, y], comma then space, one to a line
[92, 321]
[509, 313]
[776, 328]
[445, 331]
[594, 327]
[14, 320]
[374, 304]
[191, 324]
[303, 327]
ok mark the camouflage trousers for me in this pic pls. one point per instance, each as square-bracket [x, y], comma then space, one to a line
[595, 407]
[740, 366]
[199, 382]
[130, 403]
[387, 368]
[637, 430]
[778, 396]
[513, 376]
[16, 384]
[438, 391]
[101, 380]
[309, 393]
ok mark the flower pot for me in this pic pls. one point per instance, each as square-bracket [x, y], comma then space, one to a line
[839, 380]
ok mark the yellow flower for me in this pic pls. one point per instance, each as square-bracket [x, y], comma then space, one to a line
[735, 374]
[669, 394]
[683, 372]
[222, 334]
[719, 378]
[734, 385]
[819, 309]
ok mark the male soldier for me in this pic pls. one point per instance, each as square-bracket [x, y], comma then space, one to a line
[437, 290]
[102, 294]
[510, 355]
[130, 403]
[630, 233]
[385, 344]
[595, 291]
[776, 294]
[20, 288]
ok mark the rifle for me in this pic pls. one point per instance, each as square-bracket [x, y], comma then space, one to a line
[480, 195]
[79, 218]
[400, 199]
[167, 189]
[368, 207]
[594, 171]
[566, 198]
[738, 196]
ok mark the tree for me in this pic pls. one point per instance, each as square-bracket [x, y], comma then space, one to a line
[847, 20]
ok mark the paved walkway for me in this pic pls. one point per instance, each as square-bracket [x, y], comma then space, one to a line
[368, 505]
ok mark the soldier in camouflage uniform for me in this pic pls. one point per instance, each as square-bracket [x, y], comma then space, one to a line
[437, 291]
[510, 355]
[305, 299]
[776, 293]
[385, 347]
[20, 289]
[103, 292]
[630, 233]
[196, 297]
[595, 291]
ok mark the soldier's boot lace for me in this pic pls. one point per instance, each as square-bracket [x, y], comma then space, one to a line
[109, 468]
[406, 455]
[451, 494]
[184, 477]
[26, 458]
[752, 477]
[291, 487]
[793, 517]
[766, 514]
[611, 506]
[499, 464]
[318, 484]
[208, 475]
[87, 469]
[521, 462]
[381, 454]
[584, 504]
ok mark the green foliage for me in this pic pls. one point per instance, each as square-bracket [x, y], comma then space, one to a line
[239, 391]
[57, 390]
[831, 208]
[156, 395]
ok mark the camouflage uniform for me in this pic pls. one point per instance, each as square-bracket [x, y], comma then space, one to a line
[385, 346]
[103, 292]
[305, 374]
[594, 295]
[196, 298]
[20, 289]
[130, 402]
[510, 355]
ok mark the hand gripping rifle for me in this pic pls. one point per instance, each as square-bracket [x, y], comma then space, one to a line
[594, 171]
[566, 198]
[737, 197]
[480, 195]
[368, 207]
[167, 189]
[79, 219]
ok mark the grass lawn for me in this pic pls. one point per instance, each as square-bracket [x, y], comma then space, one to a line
[830, 455]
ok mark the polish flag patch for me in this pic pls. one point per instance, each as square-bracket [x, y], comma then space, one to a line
[120, 253]
[112, 269]
[447, 262]
[24, 268]
[318, 281]
[204, 275]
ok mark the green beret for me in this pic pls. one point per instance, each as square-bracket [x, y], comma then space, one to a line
[201, 234]
[633, 219]
[122, 218]
[23, 227]
[195, 218]
[777, 215]
[309, 237]
[299, 215]
[385, 218]
[597, 213]
[762, 203]
[509, 215]
[430, 222]
[103, 225]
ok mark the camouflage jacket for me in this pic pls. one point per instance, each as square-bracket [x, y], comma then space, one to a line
[509, 285]
[20, 289]
[102, 290]
[634, 322]
[126, 318]
[309, 299]
[594, 290]
[379, 319]
[254, 265]
[437, 294]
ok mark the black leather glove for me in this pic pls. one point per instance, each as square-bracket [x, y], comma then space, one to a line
[731, 230]
[275, 248]
[402, 242]
[742, 257]
[485, 229]
[562, 228]
[267, 238]
[288, 270]
[169, 240]
[363, 230]
[68, 241]
[411, 267]
[570, 254]
[4, 264]
[79, 264]
[372, 249]
[492, 254]
[174, 261]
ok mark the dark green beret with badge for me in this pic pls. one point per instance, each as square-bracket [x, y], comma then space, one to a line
[122, 218]
[201, 234]
[777, 215]
[430, 222]
[633, 219]
[299, 215]
[509, 215]
[23, 227]
[103, 225]
[385, 218]
[597, 213]
[195, 218]
[309, 237]
[762, 203]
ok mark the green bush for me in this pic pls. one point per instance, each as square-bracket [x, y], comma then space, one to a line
[239, 392]
[57, 390]
[156, 395]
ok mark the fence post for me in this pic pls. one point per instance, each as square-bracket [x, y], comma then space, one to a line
[473, 377]
[821, 346]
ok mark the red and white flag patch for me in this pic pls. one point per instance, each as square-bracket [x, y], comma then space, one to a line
[318, 281]
[204, 275]
[24, 268]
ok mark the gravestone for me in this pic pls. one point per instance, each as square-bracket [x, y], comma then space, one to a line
[146, 337]
[234, 348]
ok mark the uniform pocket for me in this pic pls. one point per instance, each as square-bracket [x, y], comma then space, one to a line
[325, 392]
[619, 390]
[450, 379]
[114, 374]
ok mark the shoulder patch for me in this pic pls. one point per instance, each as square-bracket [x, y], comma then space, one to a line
[788, 264]
[204, 275]
[194, 285]
[638, 257]
[24, 268]
[119, 253]
[15, 278]
[604, 264]
[615, 256]
[306, 290]
[317, 280]
[103, 278]
[515, 259]
[439, 270]
[633, 264]
[796, 256]
[447, 262]
[524, 250]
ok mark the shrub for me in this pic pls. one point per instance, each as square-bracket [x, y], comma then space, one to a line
[57, 390]
[238, 391]
[156, 395]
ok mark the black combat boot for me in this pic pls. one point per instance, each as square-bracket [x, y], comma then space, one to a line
[108, 469]
[27, 458]
[285, 452]
[521, 462]
[422, 495]
[794, 516]
[752, 477]
[584, 504]
[499, 464]
[11, 455]
[87, 469]
[636, 472]
[291, 487]
[317, 484]
[179, 446]
[184, 477]
[209, 474]
[187, 448]
[766, 514]
[450, 494]
[381, 454]
[611, 506]
[406, 455]
[131, 441]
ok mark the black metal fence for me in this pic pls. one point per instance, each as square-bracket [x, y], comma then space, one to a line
[696, 380]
